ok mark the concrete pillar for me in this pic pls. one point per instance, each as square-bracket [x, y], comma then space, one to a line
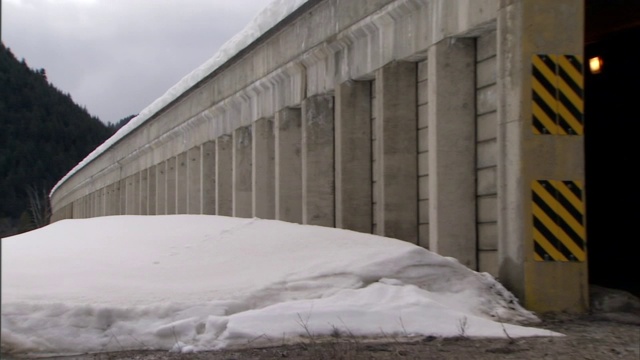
[194, 205]
[452, 150]
[527, 158]
[182, 186]
[288, 164]
[144, 192]
[264, 205]
[122, 201]
[209, 178]
[353, 156]
[242, 168]
[161, 188]
[114, 197]
[172, 182]
[137, 193]
[152, 193]
[396, 151]
[318, 196]
[130, 198]
[224, 175]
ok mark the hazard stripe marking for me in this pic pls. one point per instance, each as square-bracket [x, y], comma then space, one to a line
[558, 221]
[557, 94]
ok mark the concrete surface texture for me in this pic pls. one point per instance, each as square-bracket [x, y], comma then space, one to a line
[406, 118]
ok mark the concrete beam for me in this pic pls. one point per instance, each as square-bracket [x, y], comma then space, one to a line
[288, 165]
[209, 178]
[396, 151]
[263, 169]
[318, 196]
[452, 150]
[224, 175]
[242, 169]
[194, 180]
[353, 156]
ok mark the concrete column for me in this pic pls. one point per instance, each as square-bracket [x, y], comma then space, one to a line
[152, 193]
[353, 156]
[114, 197]
[194, 205]
[182, 186]
[396, 151]
[318, 196]
[209, 178]
[288, 172]
[161, 188]
[452, 150]
[172, 182]
[130, 198]
[224, 175]
[242, 168]
[527, 28]
[144, 192]
[122, 202]
[264, 205]
[137, 192]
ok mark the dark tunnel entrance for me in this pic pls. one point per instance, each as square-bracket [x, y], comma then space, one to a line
[612, 145]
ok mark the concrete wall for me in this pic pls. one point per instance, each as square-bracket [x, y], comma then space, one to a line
[403, 118]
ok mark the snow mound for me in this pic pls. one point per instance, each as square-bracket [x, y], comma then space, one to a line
[195, 282]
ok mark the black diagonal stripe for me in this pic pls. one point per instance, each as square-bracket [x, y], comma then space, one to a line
[548, 61]
[541, 251]
[569, 207]
[539, 126]
[546, 83]
[577, 64]
[577, 114]
[553, 240]
[562, 122]
[575, 189]
[572, 84]
[577, 239]
[551, 113]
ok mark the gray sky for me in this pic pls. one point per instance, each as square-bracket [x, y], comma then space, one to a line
[117, 56]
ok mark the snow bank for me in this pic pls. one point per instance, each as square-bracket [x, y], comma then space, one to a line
[272, 14]
[196, 282]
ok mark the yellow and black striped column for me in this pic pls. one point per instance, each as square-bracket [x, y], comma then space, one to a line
[558, 94]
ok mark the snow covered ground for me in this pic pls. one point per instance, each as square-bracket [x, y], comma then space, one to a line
[195, 282]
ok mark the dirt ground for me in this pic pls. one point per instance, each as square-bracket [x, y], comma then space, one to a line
[610, 331]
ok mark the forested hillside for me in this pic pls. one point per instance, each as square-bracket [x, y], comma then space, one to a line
[43, 134]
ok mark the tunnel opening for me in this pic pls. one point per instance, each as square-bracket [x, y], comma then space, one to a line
[612, 122]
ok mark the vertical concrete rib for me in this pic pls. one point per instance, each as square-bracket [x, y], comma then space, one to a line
[182, 185]
[209, 178]
[144, 192]
[451, 147]
[172, 175]
[153, 190]
[242, 168]
[288, 173]
[161, 188]
[263, 169]
[194, 205]
[318, 196]
[396, 147]
[122, 201]
[353, 156]
[224, 175]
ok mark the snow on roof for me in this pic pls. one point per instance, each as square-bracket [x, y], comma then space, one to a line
[202, 282]
[271, 15]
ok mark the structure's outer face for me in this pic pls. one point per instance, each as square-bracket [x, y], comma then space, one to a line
[455, 125]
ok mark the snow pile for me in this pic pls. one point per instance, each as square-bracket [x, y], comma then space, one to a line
[272, 14]
[196, 282]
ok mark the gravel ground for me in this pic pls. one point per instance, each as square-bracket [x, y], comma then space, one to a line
[611, 331]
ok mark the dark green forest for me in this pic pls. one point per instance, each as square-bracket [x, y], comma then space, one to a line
[43, 135]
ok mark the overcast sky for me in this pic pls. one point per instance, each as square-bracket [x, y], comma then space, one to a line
[117, 56]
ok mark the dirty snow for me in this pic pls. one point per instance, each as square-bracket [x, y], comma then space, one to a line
[197, 282]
